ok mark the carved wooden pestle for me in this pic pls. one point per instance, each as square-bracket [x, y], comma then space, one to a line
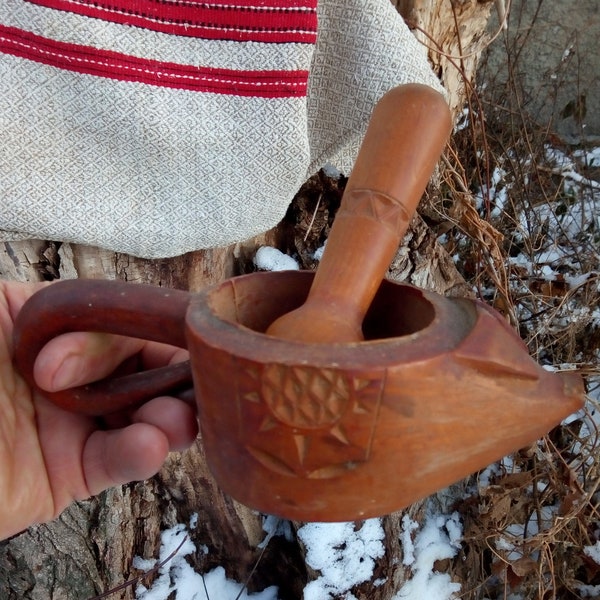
[407, 133]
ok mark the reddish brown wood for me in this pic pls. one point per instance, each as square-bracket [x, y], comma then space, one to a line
[42, 555]
[407, 133]
[439, 388]
[142, 311]
[324, 432]
[346, 428]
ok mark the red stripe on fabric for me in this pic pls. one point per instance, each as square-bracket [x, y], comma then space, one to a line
[270, 4]
[275, 21]
[114, 65]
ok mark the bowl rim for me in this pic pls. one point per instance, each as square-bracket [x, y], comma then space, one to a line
[453, 320]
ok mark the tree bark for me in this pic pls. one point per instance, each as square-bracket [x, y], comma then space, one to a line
[454, 31]
[90, 548]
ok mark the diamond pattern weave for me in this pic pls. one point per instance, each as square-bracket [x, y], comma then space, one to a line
[157, 172]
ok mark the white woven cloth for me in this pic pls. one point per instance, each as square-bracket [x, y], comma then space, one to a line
[156, 133]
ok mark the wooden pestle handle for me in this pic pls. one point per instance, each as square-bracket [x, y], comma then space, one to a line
[405, 138]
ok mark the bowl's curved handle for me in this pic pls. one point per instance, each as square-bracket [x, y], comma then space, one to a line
[142, 311]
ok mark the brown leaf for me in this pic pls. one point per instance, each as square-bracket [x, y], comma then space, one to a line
[516, 480]
[524, 566]
[514, 580]
[569, 501]
[557, 288]
[498, 510]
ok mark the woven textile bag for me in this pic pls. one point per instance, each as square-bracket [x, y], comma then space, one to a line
[157, 127]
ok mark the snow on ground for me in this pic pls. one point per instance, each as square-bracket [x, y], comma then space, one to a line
[343, 553]
[176, 576]
[438, 539]
[272, 259]
[591, 591]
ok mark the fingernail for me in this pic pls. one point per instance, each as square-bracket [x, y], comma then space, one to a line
[68, 374]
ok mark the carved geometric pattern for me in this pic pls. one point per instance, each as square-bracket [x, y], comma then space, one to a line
[378, 206]
[303, 397]
[303, 421]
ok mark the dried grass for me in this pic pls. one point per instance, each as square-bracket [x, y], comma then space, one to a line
[519, 212]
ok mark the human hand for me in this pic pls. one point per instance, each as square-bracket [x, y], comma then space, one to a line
[50, 457]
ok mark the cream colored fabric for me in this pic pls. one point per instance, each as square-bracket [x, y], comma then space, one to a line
[156, 172]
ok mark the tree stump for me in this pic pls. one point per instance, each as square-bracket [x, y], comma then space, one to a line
[455, 33]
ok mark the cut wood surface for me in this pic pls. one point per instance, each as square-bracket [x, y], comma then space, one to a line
[455, 33]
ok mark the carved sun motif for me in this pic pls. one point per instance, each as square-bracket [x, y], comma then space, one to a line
[308, 422]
